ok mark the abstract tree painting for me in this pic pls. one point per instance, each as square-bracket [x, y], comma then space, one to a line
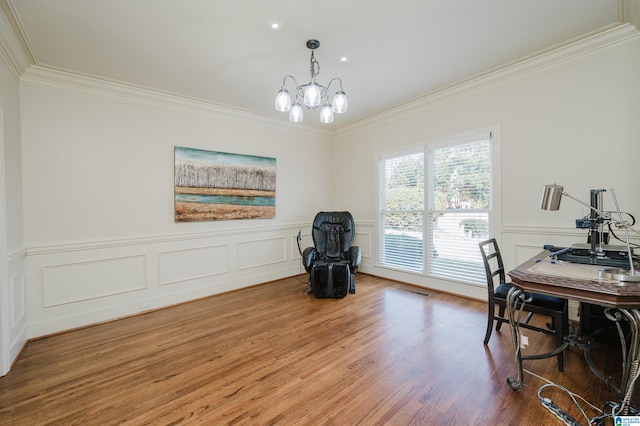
[212, 185]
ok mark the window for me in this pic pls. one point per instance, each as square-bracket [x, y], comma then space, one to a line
[436, 205]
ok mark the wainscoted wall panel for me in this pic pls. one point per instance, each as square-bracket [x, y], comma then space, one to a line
[17, 300]
[253, 254]
[73, 285]
[295, 252]
[189, 264]
[16, 304]
[363, 240]
[75, 282]
[520, 243]
[524, 252]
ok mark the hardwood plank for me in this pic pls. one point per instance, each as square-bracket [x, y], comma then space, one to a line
[272, 354]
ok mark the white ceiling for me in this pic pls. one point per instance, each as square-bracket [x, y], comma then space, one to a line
[223, 51]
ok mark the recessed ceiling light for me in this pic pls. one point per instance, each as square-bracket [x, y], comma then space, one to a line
[275, 25]
[344, 58]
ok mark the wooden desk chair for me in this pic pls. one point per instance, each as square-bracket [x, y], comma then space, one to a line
[497, 287]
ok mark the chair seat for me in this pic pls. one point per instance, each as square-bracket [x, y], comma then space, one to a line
[540, 300]
[498, 287]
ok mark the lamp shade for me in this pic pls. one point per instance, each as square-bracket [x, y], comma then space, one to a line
[312, 95]
[296, 113]
[326, 114]
[340, 102]
[551, 197]
[283, 100]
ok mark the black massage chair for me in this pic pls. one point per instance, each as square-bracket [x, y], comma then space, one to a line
[333, 261]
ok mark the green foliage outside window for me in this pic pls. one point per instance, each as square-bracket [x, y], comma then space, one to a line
[462, 173]
[404, 194]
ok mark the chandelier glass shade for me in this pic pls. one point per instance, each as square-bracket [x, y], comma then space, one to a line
[311, 95]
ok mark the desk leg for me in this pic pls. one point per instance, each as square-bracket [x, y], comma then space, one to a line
[630, 359]
[512, 305]
[516, 298]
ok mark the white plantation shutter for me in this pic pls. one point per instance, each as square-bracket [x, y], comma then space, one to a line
[402, 213]
[440, 238]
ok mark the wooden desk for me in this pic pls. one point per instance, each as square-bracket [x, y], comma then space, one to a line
[581, 283]
[601, 292]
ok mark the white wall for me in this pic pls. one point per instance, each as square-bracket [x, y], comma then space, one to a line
[13, 322]
[570, 116]
[98, 201]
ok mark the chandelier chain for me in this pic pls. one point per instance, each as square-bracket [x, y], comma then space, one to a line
[315, 67]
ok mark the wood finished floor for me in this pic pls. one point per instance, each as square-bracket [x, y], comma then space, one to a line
[272, 354]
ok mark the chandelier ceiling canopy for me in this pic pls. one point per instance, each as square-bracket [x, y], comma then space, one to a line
[312, 95]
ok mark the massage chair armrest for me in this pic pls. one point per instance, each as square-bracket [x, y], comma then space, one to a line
[308, 256]
[355, 257]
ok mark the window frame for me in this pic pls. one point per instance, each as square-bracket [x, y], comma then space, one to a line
[425, 148]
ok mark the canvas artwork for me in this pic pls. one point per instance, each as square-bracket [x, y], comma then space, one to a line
[212, 185]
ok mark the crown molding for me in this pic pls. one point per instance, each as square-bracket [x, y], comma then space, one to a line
[630, 12]
[12, 45]
[541, 62]
[40, 76]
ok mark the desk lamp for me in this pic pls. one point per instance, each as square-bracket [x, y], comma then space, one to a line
[551, 197]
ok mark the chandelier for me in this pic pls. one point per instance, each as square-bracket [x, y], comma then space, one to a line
[312, 95]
